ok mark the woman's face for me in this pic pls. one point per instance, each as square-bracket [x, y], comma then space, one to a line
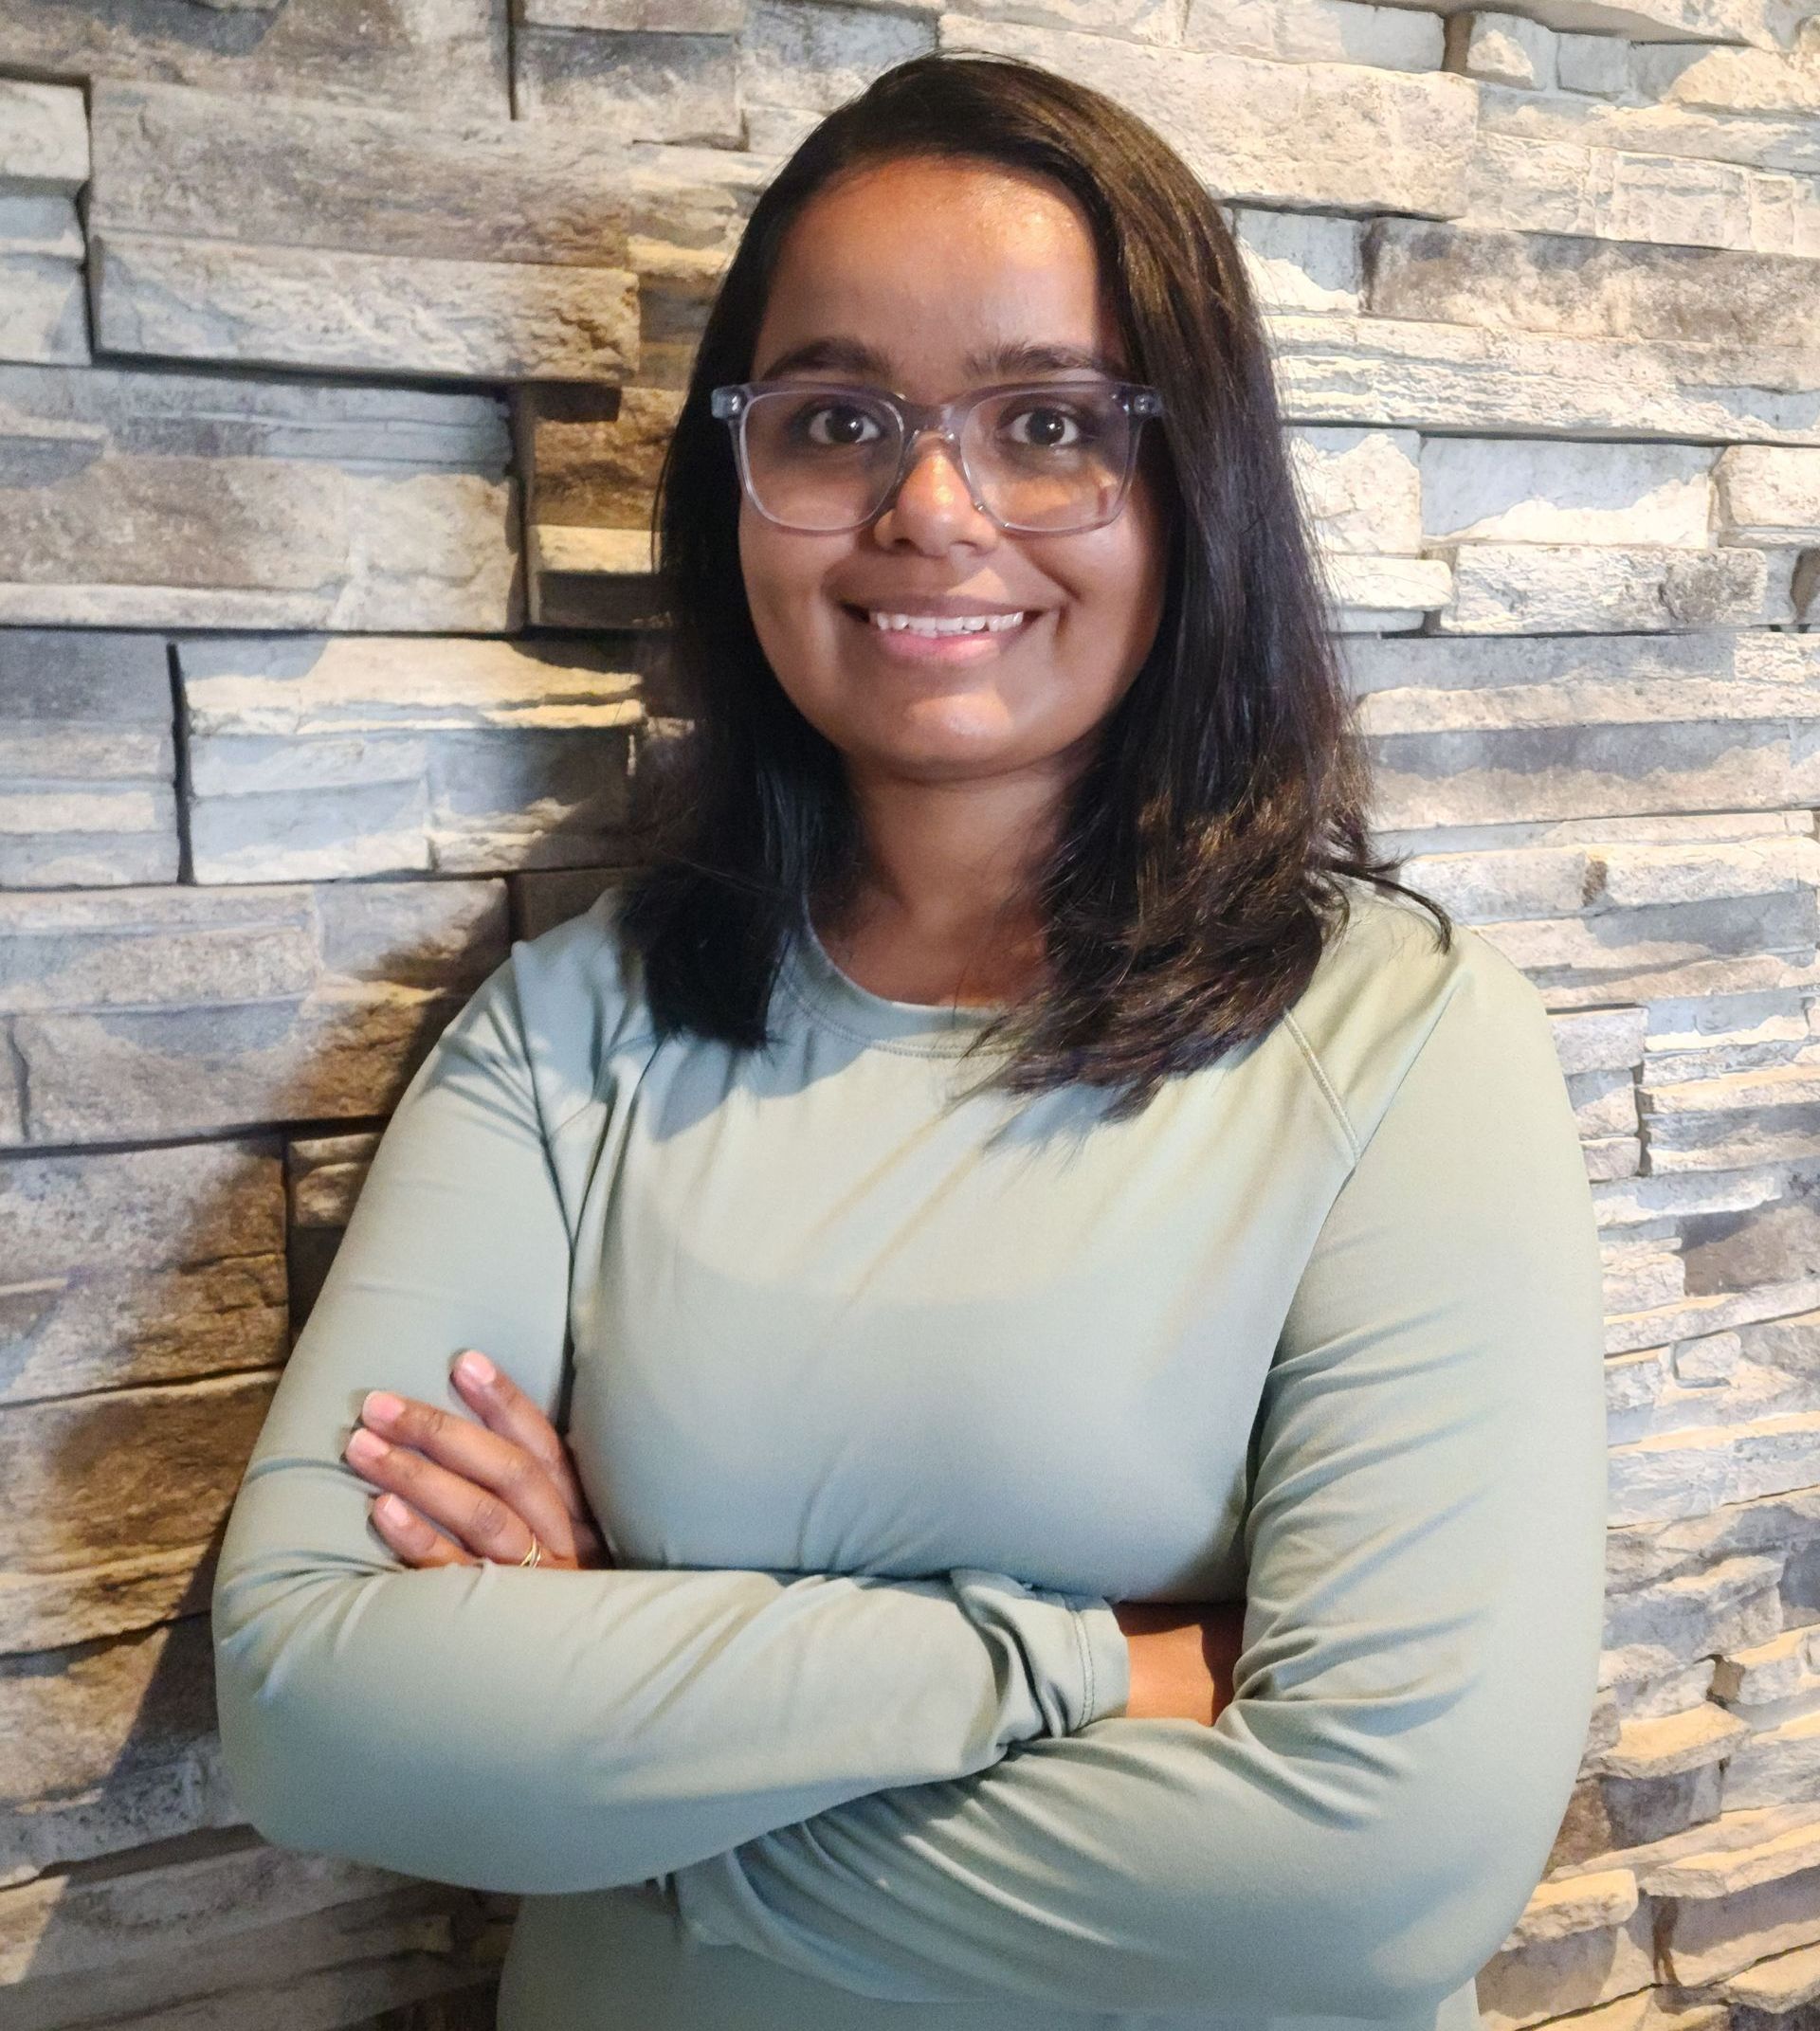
[923, 262]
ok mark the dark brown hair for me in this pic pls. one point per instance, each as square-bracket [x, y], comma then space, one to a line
[1192, 887]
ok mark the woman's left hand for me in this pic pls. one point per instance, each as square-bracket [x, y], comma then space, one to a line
[462, 1494]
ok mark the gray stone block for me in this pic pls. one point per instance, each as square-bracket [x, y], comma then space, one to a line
[136, 1013]
[439, 61]
[162, 500]
[639, 86]
[87, 762]
[313, 757]
[134, 1267]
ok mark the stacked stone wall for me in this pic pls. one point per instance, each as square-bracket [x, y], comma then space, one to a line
[339, 341]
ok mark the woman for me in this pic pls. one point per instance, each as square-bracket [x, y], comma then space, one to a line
[1045, 1319]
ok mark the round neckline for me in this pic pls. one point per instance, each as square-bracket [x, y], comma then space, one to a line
[934, 1029]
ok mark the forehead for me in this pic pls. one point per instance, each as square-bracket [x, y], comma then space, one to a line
[928, 266]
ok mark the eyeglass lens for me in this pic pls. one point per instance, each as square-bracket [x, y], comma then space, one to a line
[1043, 458]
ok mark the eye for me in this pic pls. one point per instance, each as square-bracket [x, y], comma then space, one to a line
[842, 434]
[1056, 418]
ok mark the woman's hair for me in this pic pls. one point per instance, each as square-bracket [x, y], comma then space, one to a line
[1192, 887]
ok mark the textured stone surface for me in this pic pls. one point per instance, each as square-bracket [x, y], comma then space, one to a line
[1342, 136]
[44, 139]
[116, 1502]
[440, 60]
[204, 299]
[224, 1926]
[160, 1012]
[87, 762]
[312, 757]
[108, 1745]
[134, 1267]
[1540, 289]
[175, 499]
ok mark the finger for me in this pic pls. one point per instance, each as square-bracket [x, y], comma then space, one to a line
[509, 1412]
[474, 1515]
[475, 1455]
[413, 1539]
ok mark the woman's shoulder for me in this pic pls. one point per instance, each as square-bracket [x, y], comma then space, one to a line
[1384, 981]
[572, 997]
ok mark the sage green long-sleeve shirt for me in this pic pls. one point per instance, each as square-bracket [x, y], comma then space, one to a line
[883, 1395]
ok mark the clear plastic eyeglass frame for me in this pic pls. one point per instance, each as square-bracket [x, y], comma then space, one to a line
[949, 420]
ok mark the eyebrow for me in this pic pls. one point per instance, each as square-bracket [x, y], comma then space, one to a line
[1016, 357]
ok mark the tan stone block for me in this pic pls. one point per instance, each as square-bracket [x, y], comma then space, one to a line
[117, 1501]
[1703, 1939]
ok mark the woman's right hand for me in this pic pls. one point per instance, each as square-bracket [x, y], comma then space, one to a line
[1182, 1656]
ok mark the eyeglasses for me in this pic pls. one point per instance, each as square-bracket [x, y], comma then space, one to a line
[822, 457]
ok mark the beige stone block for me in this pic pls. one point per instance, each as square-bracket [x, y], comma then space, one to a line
[1683, 1610]
[139, 1266]
[1761, 1675]
[147, 1012]
[1751, 80]
[1421, 373]
[325, 1174]
[1703, 1939]
[1664, 1745]
[1341, 136]
[274, 306]
[1768, 490]
[1776, 1986]
[1763, 141]
[1571, 1973]
[1509, 588]
[44, 139]
[1606, 194]
[1598, 1899]
[1299, 31]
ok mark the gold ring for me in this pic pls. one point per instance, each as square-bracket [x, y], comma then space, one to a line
[534, 1556]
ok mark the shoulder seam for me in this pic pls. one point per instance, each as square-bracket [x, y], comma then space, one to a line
[1328, 1090]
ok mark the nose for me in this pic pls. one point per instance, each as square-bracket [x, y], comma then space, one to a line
[932, 499]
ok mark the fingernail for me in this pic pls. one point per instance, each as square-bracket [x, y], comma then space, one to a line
[392, 1509]
[381, 1405]
[365, 1447]
[475, 1368]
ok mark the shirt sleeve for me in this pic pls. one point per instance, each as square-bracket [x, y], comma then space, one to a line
[533, 1731]
[1360, 1829]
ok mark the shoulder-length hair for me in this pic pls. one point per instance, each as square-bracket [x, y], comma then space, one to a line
[1194, 883]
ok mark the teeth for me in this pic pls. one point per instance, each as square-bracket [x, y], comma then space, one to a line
[930, 624]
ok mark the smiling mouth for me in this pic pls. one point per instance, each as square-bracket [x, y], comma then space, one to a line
[917, 645]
